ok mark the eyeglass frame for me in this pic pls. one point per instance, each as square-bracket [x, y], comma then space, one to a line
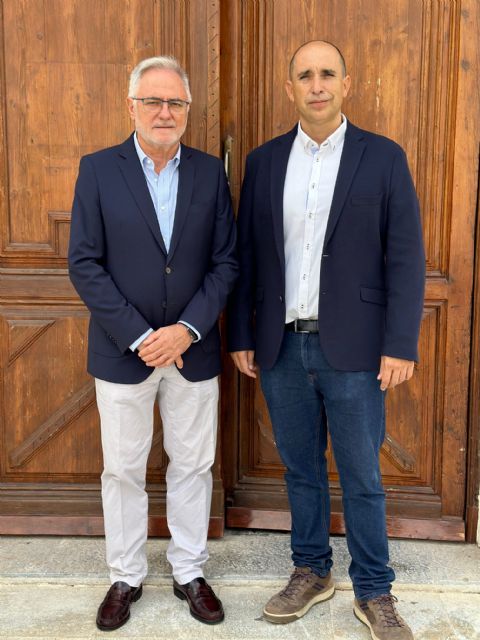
[185, 103]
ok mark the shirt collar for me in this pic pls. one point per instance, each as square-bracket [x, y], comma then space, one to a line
[142, 156]
[333, 140]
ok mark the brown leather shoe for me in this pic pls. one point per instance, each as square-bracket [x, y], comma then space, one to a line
[204, 604]
[115, 608]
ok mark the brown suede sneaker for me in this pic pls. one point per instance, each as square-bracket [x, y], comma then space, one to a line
[381, 617]
[304, 589]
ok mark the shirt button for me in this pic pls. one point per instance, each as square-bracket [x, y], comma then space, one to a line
[168, 270]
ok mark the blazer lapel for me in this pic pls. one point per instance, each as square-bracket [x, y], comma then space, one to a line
[353, 149]
[280, 156]
[186, 174]
[135, 178]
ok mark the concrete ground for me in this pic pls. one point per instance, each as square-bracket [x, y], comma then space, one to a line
[51, 587]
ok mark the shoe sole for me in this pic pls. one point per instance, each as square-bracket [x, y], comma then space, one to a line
[363, 618]
[137, 596]
[278, 618]
[182, 596]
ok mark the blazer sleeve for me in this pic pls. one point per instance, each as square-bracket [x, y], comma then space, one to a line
[207, 303]
[87, 249]
[404, 265]
[240, 311]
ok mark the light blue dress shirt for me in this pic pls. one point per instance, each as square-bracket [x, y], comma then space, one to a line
[163, 188]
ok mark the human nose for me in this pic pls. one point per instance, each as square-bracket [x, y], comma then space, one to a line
[164, 111]
[317, 83]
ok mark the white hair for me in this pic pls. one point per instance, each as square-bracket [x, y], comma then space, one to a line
[158, 62]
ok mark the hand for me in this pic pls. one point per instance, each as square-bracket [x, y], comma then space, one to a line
[165, 346]
[244, 361]
[394, 371]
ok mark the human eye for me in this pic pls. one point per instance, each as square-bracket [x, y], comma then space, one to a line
[176, 104]
[152, 102]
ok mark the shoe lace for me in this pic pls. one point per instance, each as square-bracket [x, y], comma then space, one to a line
[295, 584]
[388, 611]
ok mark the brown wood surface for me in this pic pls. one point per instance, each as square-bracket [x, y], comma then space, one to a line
[411, 65]
[64, 79]
[472, 99]
[397, 527]
[88, 525]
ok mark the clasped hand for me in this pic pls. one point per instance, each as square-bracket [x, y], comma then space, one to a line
[165, 346]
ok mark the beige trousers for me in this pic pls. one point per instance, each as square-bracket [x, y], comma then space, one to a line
[189, 417]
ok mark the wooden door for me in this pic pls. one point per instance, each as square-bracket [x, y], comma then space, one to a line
[63, 78]
[411, 63]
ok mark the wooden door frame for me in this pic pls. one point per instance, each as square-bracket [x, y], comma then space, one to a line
[466, 194]
[473, 460]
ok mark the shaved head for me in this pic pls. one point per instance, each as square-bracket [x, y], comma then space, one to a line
[317, 86]
[306, 44]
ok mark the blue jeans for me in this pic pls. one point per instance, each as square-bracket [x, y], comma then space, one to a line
[302, 391]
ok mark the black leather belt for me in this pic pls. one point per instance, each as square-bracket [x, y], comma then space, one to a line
[303, 326]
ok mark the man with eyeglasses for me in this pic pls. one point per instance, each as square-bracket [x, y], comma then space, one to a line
[152, 256]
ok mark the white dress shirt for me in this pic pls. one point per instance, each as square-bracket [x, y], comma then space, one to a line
[307, 197]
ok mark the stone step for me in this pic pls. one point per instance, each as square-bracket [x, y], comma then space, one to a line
[50, 588]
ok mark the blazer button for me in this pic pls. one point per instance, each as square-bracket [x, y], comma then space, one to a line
[280, 298]
[168, 270]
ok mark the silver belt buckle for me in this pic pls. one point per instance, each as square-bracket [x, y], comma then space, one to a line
[295, 326]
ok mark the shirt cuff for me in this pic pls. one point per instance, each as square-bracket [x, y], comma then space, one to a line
[139, 340]
[187, 324]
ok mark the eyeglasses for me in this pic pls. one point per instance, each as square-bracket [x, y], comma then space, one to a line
[175, 105]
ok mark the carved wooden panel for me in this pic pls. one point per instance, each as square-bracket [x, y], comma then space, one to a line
[408, 80]
[64, 79]
[65, 76]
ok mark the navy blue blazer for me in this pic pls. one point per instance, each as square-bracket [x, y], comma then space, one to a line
[122, 271]
[373, 265]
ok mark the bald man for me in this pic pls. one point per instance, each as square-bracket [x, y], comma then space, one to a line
[327, 311]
